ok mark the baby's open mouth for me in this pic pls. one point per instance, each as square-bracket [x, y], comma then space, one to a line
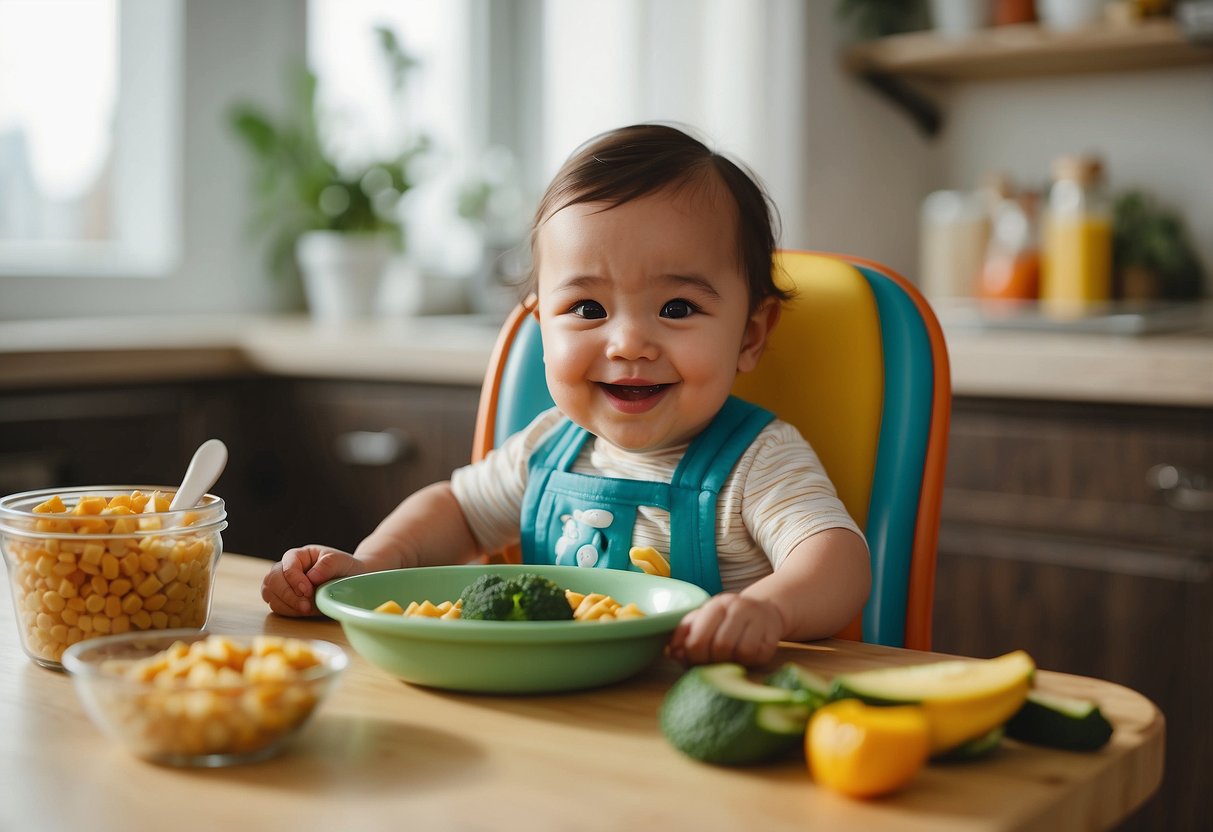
[633, 392]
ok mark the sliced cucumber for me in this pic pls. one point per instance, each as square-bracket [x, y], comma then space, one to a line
[794, 677]
[714, 713]
[1060, 722]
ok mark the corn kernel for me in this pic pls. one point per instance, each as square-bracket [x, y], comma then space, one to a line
[53, 601]
[89, 505]
[54, 504]
[148, 586]
[123, 525]
[109, 566]
[167, 571]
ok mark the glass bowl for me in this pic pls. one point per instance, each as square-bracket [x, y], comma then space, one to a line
[101, 560]
[189, 698]
[507, 656]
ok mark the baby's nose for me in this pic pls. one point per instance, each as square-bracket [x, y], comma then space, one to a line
[631, 340]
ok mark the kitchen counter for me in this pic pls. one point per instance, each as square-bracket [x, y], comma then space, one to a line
[442, 349]
[1159, 369]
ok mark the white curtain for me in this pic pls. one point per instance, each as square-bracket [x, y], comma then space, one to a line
[732, 70]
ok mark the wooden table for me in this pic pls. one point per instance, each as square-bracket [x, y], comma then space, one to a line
[382, 754]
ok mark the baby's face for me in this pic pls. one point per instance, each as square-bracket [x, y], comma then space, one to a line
[644, 312]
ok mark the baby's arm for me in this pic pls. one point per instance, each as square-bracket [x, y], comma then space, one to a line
[428, 528]
[815, 593]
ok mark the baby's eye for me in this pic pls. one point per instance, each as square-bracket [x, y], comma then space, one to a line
[590, 309]
[678, 308]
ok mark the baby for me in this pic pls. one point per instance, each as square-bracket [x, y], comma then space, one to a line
[653, 277]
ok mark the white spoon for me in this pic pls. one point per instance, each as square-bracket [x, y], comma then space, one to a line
[205, 468]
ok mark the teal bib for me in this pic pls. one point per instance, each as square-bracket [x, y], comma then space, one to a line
[586, 520]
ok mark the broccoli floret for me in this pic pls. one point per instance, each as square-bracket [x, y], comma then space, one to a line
[538, 599]
[487, 599]
[526, 597]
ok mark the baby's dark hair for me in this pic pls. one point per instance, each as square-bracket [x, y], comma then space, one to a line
[630, 162]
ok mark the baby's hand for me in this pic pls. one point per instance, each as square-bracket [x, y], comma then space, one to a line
[291, 583]
[729, 627]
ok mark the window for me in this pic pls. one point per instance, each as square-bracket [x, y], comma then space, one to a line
[89, 137]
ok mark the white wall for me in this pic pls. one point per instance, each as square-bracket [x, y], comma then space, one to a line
[866, 166]
[233, 49]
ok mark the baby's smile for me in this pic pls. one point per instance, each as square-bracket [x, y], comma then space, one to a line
[633, 392]
[634, 398]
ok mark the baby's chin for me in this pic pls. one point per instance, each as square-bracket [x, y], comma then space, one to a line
[639, 441]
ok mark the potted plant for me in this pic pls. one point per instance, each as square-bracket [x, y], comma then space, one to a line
[868, 19]
[337, 226]
[1152, 257]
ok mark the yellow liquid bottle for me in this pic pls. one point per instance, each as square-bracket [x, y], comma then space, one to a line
[1076, 273]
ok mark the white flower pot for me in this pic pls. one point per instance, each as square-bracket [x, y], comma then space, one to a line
[1068, 15]
[342, 273]
[957, 18]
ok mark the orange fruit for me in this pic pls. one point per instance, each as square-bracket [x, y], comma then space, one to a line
[863, 750]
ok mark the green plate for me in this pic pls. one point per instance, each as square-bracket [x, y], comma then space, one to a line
[506, 656]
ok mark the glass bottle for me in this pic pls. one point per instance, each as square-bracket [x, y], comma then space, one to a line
[1012, 265]
[1077, 262]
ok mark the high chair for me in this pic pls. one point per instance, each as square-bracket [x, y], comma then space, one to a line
[858, 364]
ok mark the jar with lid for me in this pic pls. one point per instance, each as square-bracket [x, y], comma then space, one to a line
[1077, 262]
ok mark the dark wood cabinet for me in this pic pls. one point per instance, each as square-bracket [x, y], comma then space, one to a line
[1082, 533]
[310, 460]
[361, 447]
[126, 435]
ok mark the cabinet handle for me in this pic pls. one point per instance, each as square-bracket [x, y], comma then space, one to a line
[372, 448]
[1180, 489]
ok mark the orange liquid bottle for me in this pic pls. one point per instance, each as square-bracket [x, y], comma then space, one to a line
[1011, 270]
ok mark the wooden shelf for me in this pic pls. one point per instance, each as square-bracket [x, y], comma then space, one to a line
[1027, 50]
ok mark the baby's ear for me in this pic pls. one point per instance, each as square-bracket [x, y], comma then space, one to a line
[758, 328]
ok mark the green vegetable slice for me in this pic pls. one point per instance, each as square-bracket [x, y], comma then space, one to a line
[714, 713]
[1060, 722]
